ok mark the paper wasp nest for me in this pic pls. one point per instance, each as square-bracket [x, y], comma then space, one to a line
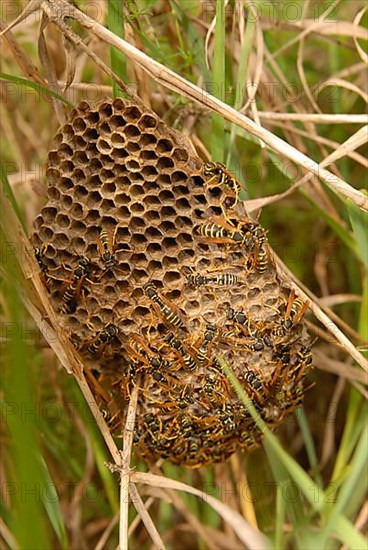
[156, 273]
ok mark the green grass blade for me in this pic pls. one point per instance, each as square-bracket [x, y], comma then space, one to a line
[109, 481]
[194, 48]
[280, 517]
[340, 231]
[101, 456]
[353, 426]
[308, 487]
[363, 315]
[115, 23]
[349, 535]
[356, 475]
[359, 222]
[309, 443]
[52, 505]
[41, 90]
[218, 82]
[9, 193]
[355, 420]
[25, 476]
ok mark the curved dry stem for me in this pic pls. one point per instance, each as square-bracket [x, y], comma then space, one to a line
[309, 26]
[253, 86]
[249, 536]
[146, 518]
[357, 19]
[316, 118]
[349, 152]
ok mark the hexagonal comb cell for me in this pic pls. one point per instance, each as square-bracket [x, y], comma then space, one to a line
[155, 278]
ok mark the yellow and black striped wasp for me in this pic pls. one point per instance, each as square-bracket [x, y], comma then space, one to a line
[73, 291]
[103, 338]
[204, 348]
[177, 345]
[221, 279]
[72, 288]
[168, 311]
[246, 234]
[39, 253]
[261, 261]
[294, 312]
[219, 172]
[107, 250]
[140, 352]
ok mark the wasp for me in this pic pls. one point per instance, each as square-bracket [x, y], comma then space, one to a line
[240, 318]
[39, 255]
[140, 351]
[193, 448]
[248, 440]
[176, 344]
[304, 361]
[167, 312]
[251, 227]
[186, 425]
[254, 343]
[72, 293]
[253, 380]
[217, 170]
[294, 312]
[232, 337]
[297, 311]
[242, 233]
[152, 424]
[106, 246]
[261, 260]
[208, 337]
[305, 355]
[170, 381]
[220, 232]
[222, 279]
[211, 387]
[74, 285]
[102, 339]
[228, 423]
[229, 335]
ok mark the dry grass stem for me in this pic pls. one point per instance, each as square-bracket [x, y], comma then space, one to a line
[145, 517]
[340, 368]
[101, 544]
[249, 536]
[125, 469]
[316, 118]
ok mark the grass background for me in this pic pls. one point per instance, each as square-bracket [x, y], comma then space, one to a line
[305, 59]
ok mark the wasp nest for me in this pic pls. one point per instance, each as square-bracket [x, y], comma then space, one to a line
[156, 273]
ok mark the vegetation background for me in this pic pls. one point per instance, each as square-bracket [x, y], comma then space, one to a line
[298, 69]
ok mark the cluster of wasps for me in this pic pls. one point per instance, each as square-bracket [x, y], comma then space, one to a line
[187, 409]
[73, 287]
[189, 412]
